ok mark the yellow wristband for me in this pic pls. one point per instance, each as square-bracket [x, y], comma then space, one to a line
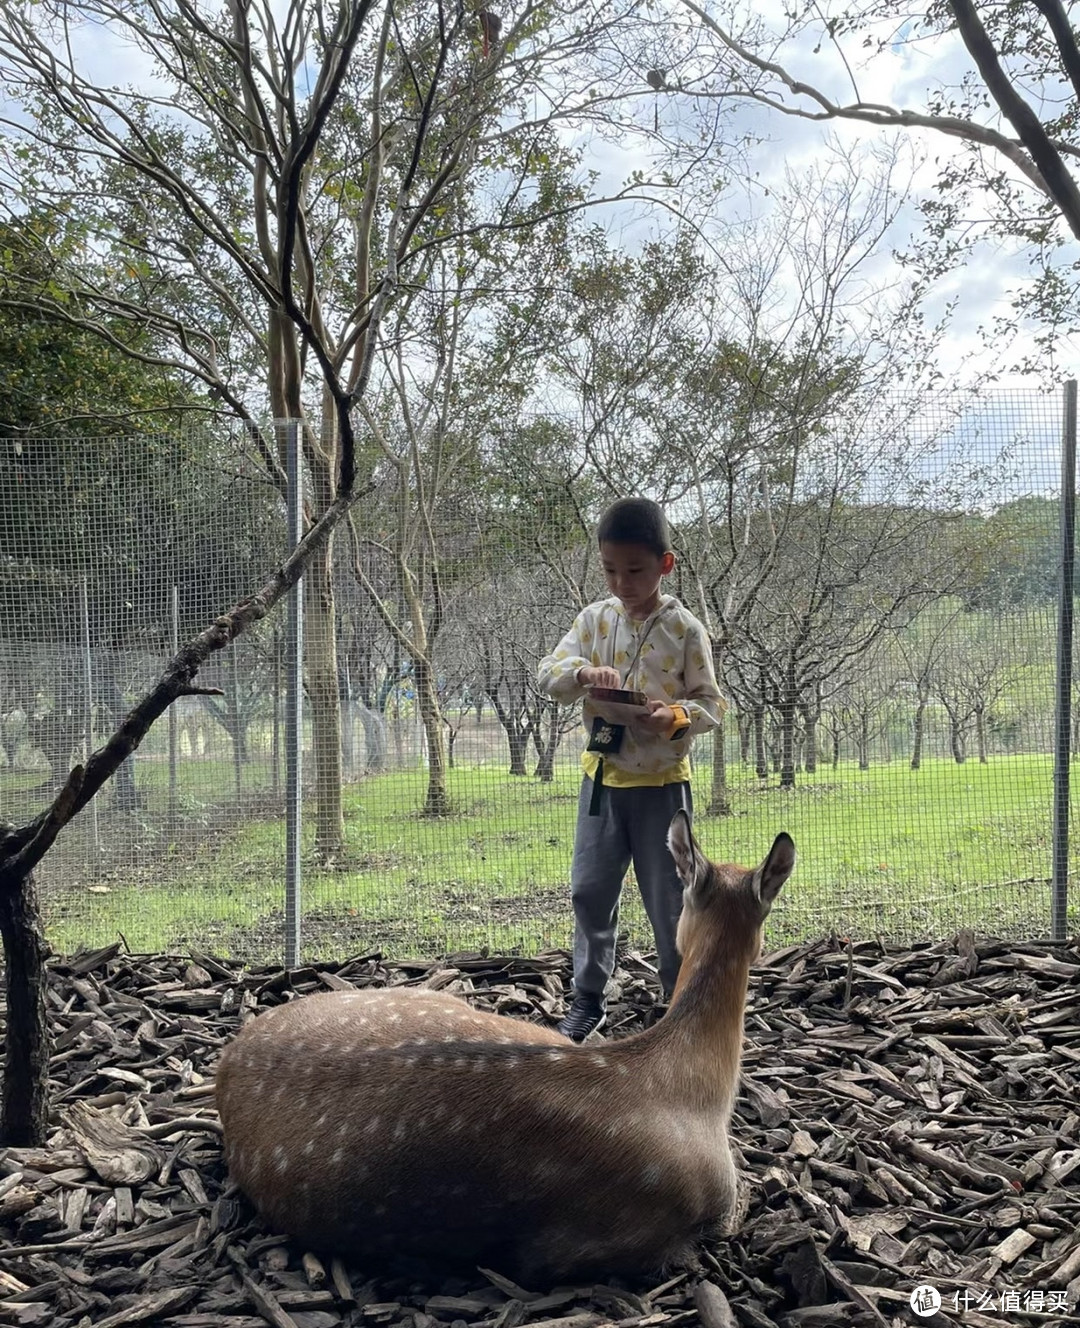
[681, 724]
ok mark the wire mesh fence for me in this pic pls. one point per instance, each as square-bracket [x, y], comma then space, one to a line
[881, 589]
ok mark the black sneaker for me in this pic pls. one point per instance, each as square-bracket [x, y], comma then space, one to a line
[585, 1016]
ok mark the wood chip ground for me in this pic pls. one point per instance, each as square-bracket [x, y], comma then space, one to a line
[908, 1118]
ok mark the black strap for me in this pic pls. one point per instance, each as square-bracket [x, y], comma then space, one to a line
[597, 788]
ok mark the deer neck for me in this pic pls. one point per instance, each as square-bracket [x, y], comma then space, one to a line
[702, 1034]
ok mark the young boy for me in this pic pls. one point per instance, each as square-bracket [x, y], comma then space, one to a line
[636, 775]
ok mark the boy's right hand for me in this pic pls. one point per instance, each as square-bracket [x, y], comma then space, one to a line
[601, 675]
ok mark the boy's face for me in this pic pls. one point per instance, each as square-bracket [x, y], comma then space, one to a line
[633, 573]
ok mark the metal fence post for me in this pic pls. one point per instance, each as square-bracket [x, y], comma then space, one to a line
[174, 719]
[1059, 881]
[88, 689]
[294, 702]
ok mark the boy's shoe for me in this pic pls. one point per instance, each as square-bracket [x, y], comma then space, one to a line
[585, 1016]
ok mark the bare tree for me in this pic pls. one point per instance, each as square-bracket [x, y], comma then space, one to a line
[865, 702]
[971, 677]
[263, 201]
[921, 647]
[1013, 111]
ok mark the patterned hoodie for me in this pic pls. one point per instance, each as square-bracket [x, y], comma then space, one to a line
[667, 656]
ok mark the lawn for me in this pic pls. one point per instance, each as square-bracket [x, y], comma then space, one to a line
[884, 851]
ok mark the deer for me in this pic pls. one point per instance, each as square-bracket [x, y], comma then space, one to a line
[402, 1121]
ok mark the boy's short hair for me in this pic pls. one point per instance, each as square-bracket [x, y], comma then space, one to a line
[635, 521]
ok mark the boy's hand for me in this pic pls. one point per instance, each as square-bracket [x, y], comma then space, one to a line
[601, 675]
[660, 718]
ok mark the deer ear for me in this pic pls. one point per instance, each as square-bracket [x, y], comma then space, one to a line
[770, 876]
[690, 862]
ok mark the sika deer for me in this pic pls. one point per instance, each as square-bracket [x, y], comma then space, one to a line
[378, 1122]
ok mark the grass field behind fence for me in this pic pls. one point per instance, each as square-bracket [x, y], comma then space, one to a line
[881, 851]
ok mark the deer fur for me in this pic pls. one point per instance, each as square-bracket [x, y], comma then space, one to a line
[403, 1121]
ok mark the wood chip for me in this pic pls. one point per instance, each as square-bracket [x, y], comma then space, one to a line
[907, 1115]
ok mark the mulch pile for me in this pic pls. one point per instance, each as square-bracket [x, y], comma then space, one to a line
[908, 1117]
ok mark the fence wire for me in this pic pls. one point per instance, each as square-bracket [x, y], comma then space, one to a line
[881, 590]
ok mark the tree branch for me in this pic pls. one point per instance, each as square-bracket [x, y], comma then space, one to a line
[1059, 183]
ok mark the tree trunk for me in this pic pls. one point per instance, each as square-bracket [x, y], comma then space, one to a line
[980, 735]
[761, 755]
[810, 749]
[517, 734]
[787, 745]
[788, 711]
[57, 736]
[125, 795]
[320, 659]
[918, 732]
[374, 740]
[956, 741]
[437, 802]
[26, 1058]
[744, 723]
[545, 765]
[864, 743]
[719, 802]
[519, 743]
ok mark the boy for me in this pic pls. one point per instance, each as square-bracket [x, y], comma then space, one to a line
[636, 775]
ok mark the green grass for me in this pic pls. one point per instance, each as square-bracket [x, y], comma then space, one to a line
[884, 851]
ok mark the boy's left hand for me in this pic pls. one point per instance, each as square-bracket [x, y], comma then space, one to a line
[659, 719]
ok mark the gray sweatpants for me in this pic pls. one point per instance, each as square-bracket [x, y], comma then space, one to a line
[631, 826]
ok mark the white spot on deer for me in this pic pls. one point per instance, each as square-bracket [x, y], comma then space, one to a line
[281, 1161]
[556, 1055]
[651, 1176]
[321, 1122]
[599, 1061]
[309, 1147]
[399, 1130]
[456, 1124]
[372, 1125]
[337, 1155]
